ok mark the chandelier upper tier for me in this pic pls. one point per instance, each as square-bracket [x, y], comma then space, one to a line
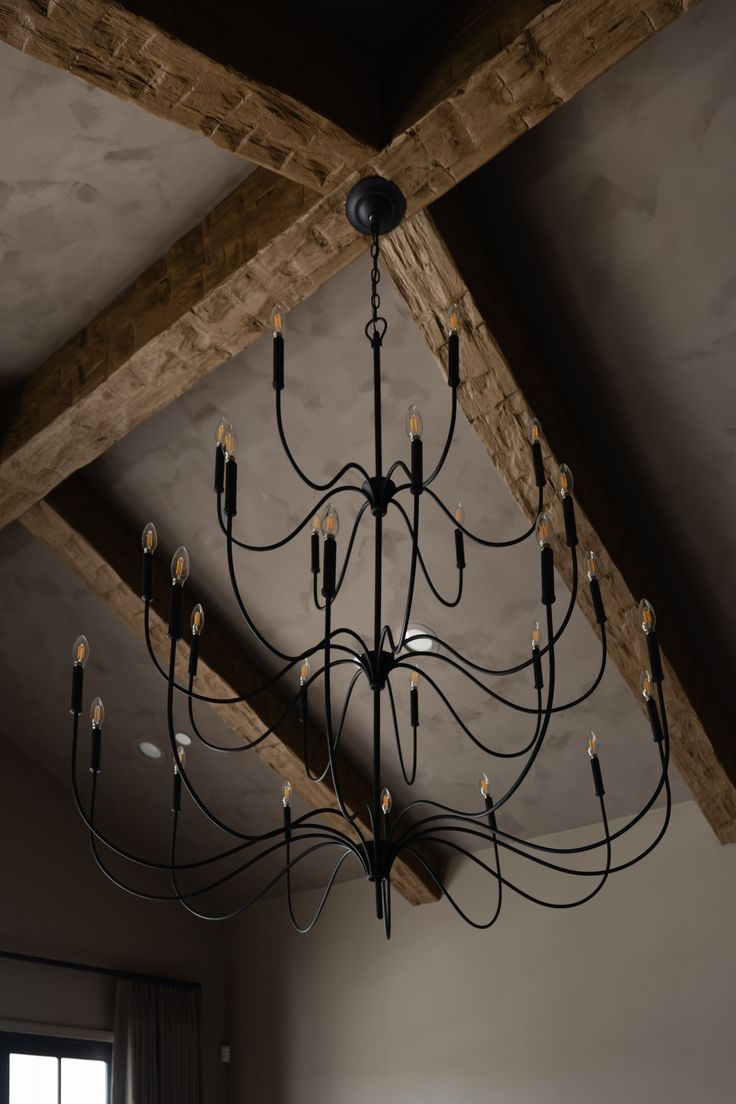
[422, 833]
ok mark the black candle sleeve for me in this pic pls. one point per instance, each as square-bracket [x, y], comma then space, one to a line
[303, 705]
[329, 577]
[147, 577]
[537, 669]
[655, 660]
[176, 793]
[597, 600]
[287, 823]
[231, 487]
[539, 477]
[597, 776]
[174, 632]
[417, 466]
[414, 707]
[278, 362]
[453, 360]
[194, 656]
[568, 512]
[548, 576]
[654, 722]
[492, 822]
[96, 751]
[77, 687]
[315, 553]
[459, 549]
[219, 483]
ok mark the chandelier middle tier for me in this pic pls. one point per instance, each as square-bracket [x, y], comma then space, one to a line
[378, 834]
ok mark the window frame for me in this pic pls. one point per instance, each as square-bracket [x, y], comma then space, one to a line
[50, 1046]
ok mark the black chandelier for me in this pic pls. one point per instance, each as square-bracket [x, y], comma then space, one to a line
[423, 828]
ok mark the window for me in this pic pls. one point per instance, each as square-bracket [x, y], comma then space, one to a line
[42, 1069]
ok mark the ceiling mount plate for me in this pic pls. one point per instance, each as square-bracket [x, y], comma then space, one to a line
[374, 198]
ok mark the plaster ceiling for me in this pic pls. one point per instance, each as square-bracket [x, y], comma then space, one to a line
[92, 191]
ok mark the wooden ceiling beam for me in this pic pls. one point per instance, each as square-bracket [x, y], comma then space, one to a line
[431, 271]
[130, 57]
[273, 240]
[97, 546]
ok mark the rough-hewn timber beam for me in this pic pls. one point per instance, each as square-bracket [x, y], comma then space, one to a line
[122, 53]
[429, 279]
[91, 540]
[273, 241]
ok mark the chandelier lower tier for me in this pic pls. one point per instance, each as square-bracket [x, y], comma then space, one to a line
[423, 833]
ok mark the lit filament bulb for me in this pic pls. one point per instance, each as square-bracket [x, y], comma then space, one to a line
[647, 617]
[593, 567]
[460, 514]
[97, 713]
[485, 785]
[278, 320]
[453, 319]
[304, 672]
[181, 757]
[414, 680]
[544, 530]
[645, 684]
[180, 566]
[536, 636]
[286, 791]
[197, 621]
[414, 423]
[316, 523]
[566, 481]
[149, 538]
[229, 442]
[220, 430]
[386, 801]
[535, 432]
[331, 522]
[80, 651]
[593, 745]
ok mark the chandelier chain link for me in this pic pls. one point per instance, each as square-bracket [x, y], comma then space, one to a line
[375, 328]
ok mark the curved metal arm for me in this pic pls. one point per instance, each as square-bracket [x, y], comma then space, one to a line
[480, 540]
[352, 466]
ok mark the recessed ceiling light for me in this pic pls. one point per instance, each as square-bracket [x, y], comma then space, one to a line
[182, 739]
[416, 639]
[151, 751]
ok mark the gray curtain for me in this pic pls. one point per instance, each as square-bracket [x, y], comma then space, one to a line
[155, 1053]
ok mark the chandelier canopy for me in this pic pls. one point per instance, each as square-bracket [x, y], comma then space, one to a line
[422, 831]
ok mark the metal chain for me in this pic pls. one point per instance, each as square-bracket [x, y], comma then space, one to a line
[375, 329]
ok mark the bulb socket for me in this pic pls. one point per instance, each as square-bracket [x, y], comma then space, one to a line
[537, 669]
[548, 576]
[231, 487]
[176, 792]
[417, 466]
[219, 483]
[597, 599]
[174, 632]
[459, 549]
[315, 553]
[654, 721]
[414, 706]
[95, 756]
[329, 577]
[655, 660]
[75, 706]
[595, 767]
[453, 360]
[568, 513]
[194, 655]
[278, 362]
[147, 577]
[538, 462]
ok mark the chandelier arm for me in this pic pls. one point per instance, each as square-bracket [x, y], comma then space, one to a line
[349, 550]
[304, 930]
[399, 465]
[321, 777]
[480, 540]
[448, 441]
[409, 779]
[386, 906]
[439, 882]
[294, 532]
[304, 478]
[412, 578]
[315, 594]
[444, 601]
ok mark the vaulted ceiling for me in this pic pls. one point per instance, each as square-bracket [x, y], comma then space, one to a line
[179, 177]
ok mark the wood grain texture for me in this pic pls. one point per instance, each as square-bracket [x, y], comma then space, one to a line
[273, 240]
[91, 540]
[128, 56]
[428, 279]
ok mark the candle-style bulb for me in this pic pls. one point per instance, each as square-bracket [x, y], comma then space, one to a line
[647, 617]
[149, 538]
[331, 522]
[414, 680]
[180, 566]
[386, 801]
[316, 523]
[593, 567]
[229, 442]
[645, 685]
[536, 636]
[453, 319]
[535, 432]
[566, 481]
[485, 785]
[592, 745]
[97, 713]
[278, 320]
[197, 620]
[304, 672]
[286, 792]
[220, 430]
[414, 423]
[80, 651]
[460, 514]
[181, 757]
[544, 530]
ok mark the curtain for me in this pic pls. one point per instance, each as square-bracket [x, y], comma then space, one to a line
[155, 1054]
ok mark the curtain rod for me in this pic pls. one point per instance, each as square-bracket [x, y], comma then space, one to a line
[84, 967]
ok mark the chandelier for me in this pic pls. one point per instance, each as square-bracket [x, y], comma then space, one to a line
[423, 832]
